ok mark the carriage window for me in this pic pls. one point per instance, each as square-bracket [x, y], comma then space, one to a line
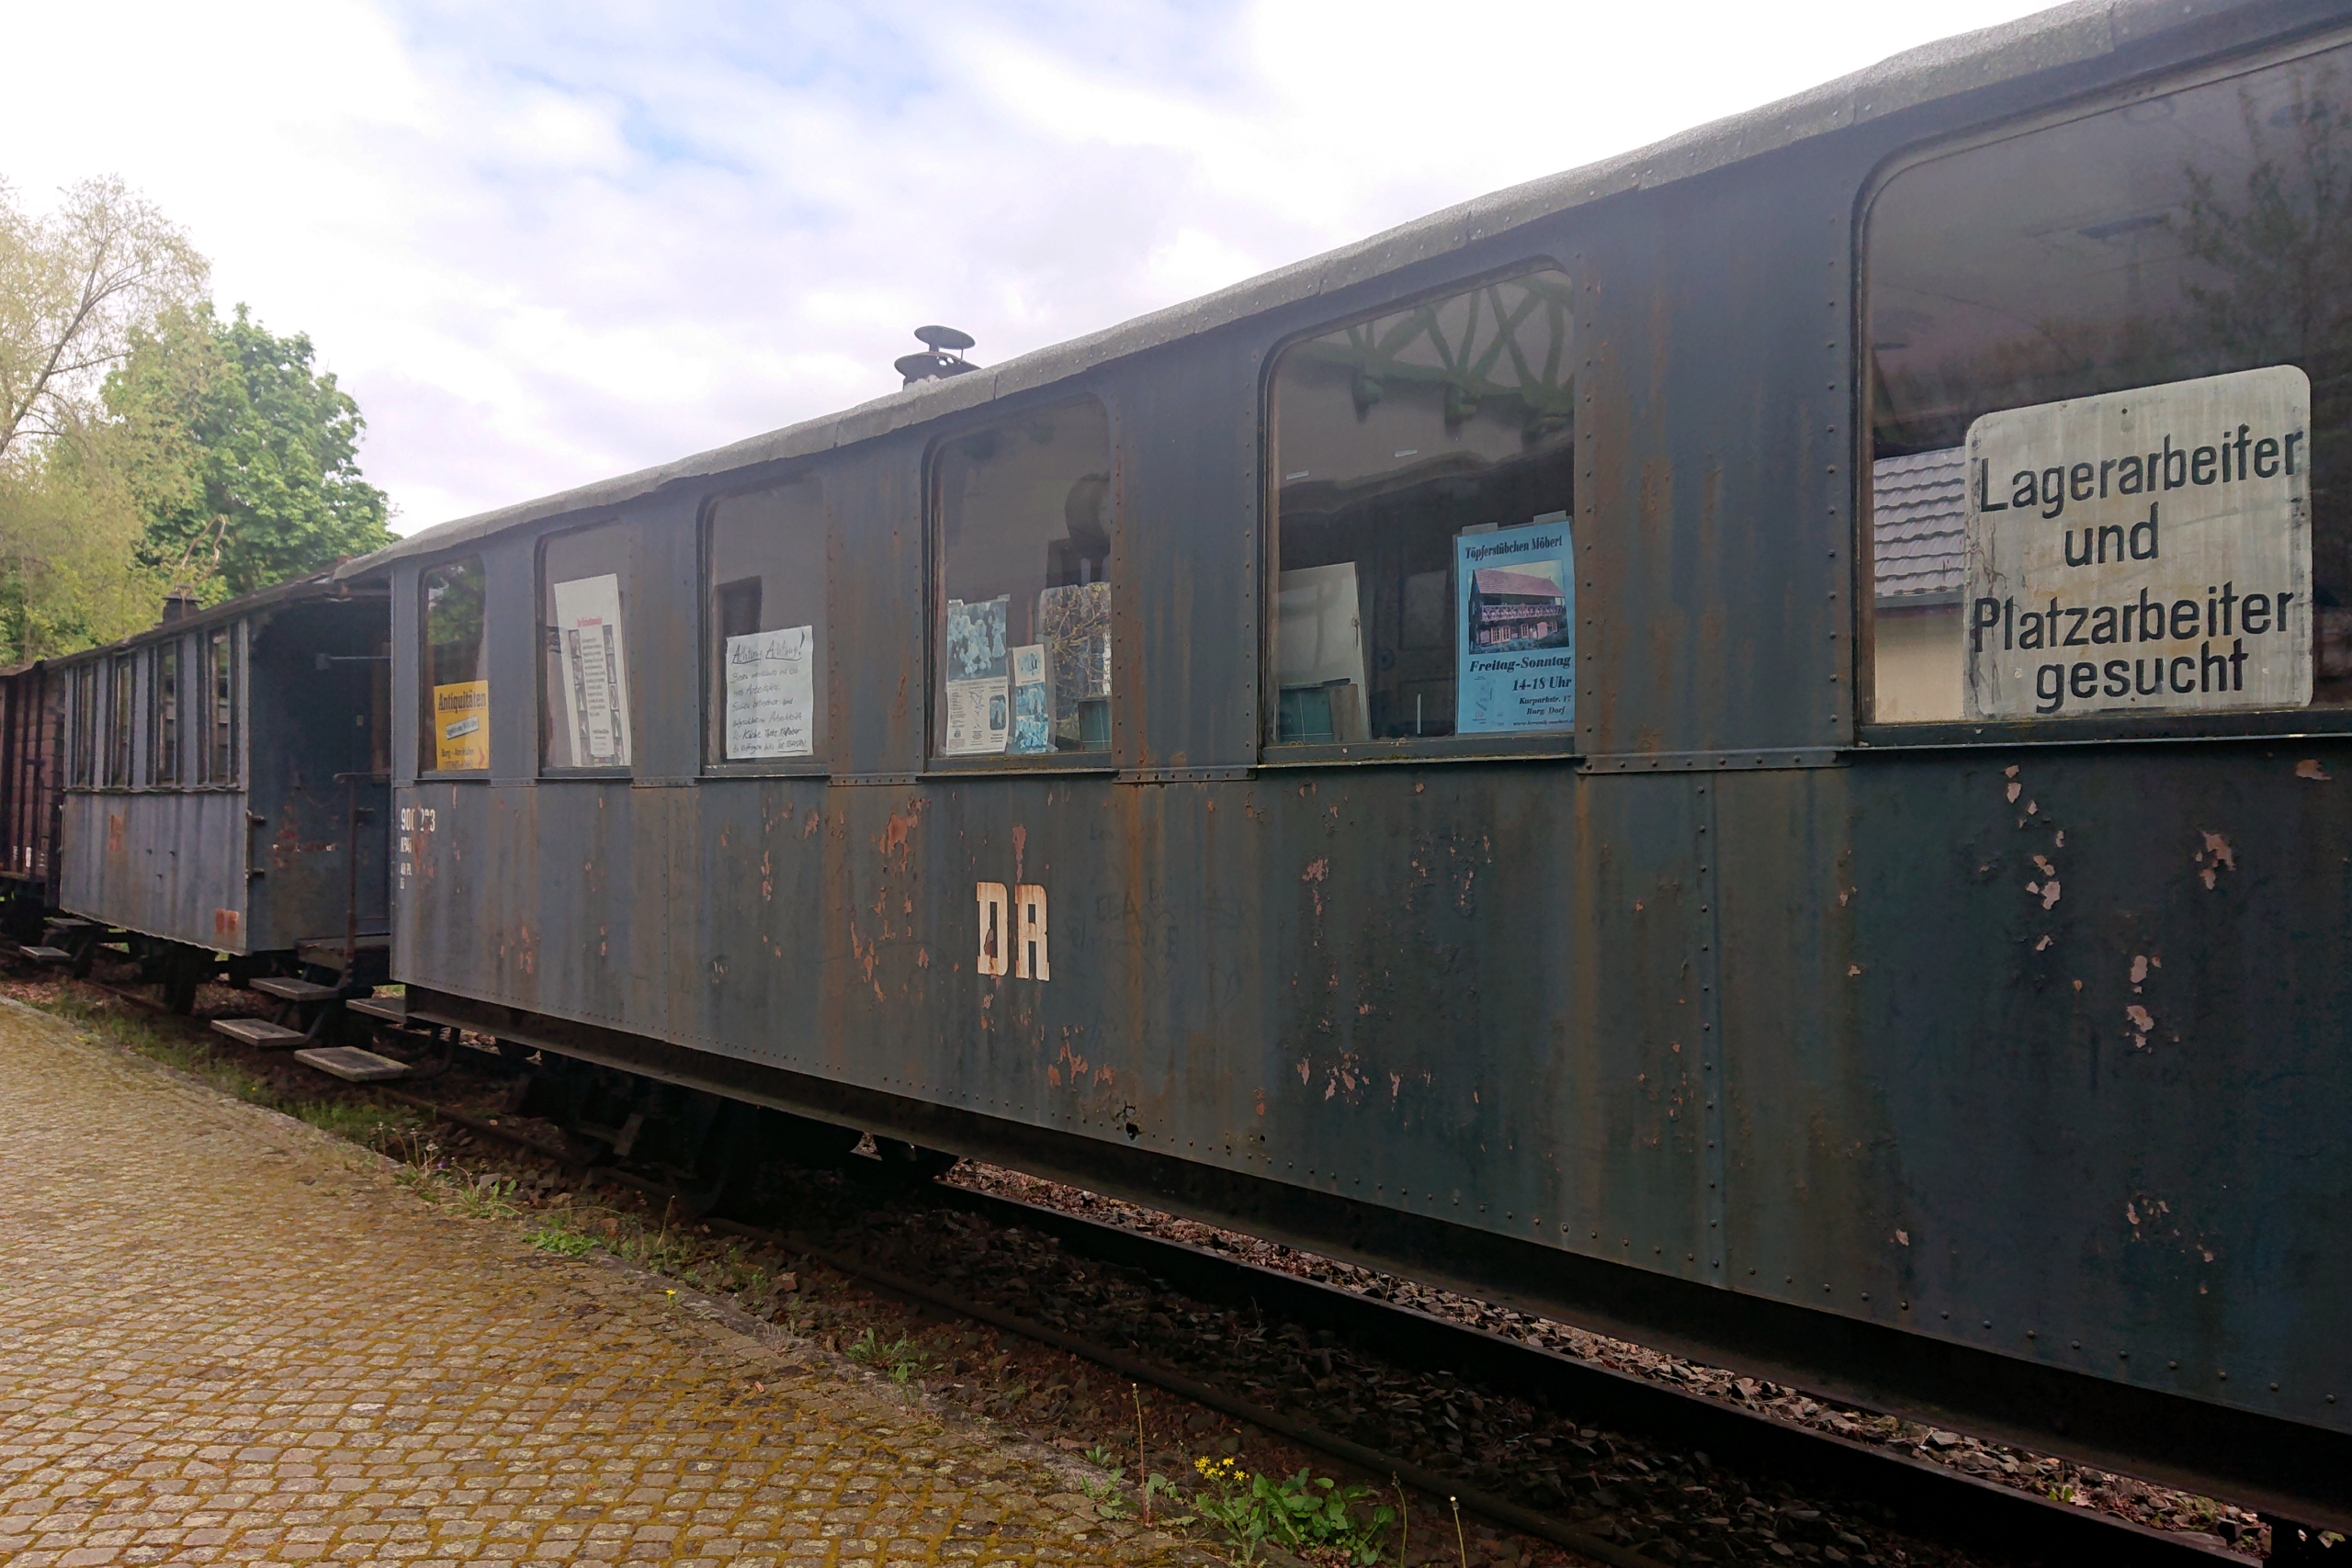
[1425, 465]
[118, 710]
[584, 718]
[766, 617]
[164, 715]
[1024, 509]
[455, 703]
[2112, 410]
[217, 730]
[85, 724]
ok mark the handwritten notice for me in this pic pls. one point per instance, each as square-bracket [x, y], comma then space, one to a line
[771, 694]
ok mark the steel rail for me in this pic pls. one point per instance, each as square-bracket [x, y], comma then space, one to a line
[1962, 1506]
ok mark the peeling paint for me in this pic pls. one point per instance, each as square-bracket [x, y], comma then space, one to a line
[2222, 859]
[2308, 768]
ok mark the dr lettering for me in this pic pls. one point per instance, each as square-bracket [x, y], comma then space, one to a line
[2231, 460]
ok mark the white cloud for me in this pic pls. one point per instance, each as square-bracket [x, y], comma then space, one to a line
[542, 243]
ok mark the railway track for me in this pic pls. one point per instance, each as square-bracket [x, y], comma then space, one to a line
[1935, 1503]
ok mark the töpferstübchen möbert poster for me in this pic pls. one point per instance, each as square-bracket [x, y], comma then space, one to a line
[461, 725]
[2148, 549]
[771, 694]
[595, 670]
[1515, 646]
[980, 699]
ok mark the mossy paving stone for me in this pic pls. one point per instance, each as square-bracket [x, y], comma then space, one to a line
[226, 1337]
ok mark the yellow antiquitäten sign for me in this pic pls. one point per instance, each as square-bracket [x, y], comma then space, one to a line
[461, 725]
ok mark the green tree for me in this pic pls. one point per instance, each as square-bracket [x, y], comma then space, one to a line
[76, 284]
[243, 458]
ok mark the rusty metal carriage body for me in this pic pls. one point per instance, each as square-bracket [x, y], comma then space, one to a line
[1727, 1022]
[229, 826]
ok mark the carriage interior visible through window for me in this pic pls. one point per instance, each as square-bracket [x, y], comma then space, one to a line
[217, 740]
[120, 687]
[1022, 508]
[1425, 466]
[766, 559]
[83, 770]
[2112, 410]
[584, 715]
[163, 715]
[453, 706]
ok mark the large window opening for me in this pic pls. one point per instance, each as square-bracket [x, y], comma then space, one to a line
[1024, 509]
[2112, 410]
[163, 715]
[118, 752]
[217, 742]
[83, 770]
[766, 557]
[454, 702]
[1425, 485]
[584, 717]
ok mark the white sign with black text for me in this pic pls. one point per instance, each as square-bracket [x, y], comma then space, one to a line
[2146, 550]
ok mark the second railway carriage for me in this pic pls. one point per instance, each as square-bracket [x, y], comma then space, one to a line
[224, 784]
[1747, 746]
[32, 727]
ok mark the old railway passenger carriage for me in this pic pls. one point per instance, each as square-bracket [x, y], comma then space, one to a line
[224, 789]
[1746, 745]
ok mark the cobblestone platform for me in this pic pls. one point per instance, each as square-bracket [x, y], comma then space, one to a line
[226, 1337]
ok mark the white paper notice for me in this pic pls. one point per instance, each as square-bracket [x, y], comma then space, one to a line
[979, 717]
[595, 670]
[771, 694]
[2148, 549]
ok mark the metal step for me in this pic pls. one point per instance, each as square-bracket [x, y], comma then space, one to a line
[295, 990]
[259, 1032]
[68, 923]
[351, 1064]
[48, 956]
[390, 1009]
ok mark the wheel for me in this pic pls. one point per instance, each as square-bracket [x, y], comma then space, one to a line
[184, 970]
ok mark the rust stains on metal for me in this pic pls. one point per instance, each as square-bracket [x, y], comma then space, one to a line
[2214, 858]
[2308, 768]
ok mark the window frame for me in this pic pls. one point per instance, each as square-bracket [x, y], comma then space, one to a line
[165, 742]
[423, 645]
[227, 639]
[1889, 735]
[81, 758]
[1104, 762]
[118, 763]
[542, 589]
[1556, 745]
[821, 763]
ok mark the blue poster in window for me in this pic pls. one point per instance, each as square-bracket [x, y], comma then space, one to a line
[1515, 642]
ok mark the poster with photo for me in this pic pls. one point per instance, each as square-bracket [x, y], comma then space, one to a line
[979, 700]
[1032, 702]
[1074, 625]
[771, 694]
[595, 670]
[1515, 651]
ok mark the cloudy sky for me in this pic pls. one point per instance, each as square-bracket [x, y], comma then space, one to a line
[545, 243]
